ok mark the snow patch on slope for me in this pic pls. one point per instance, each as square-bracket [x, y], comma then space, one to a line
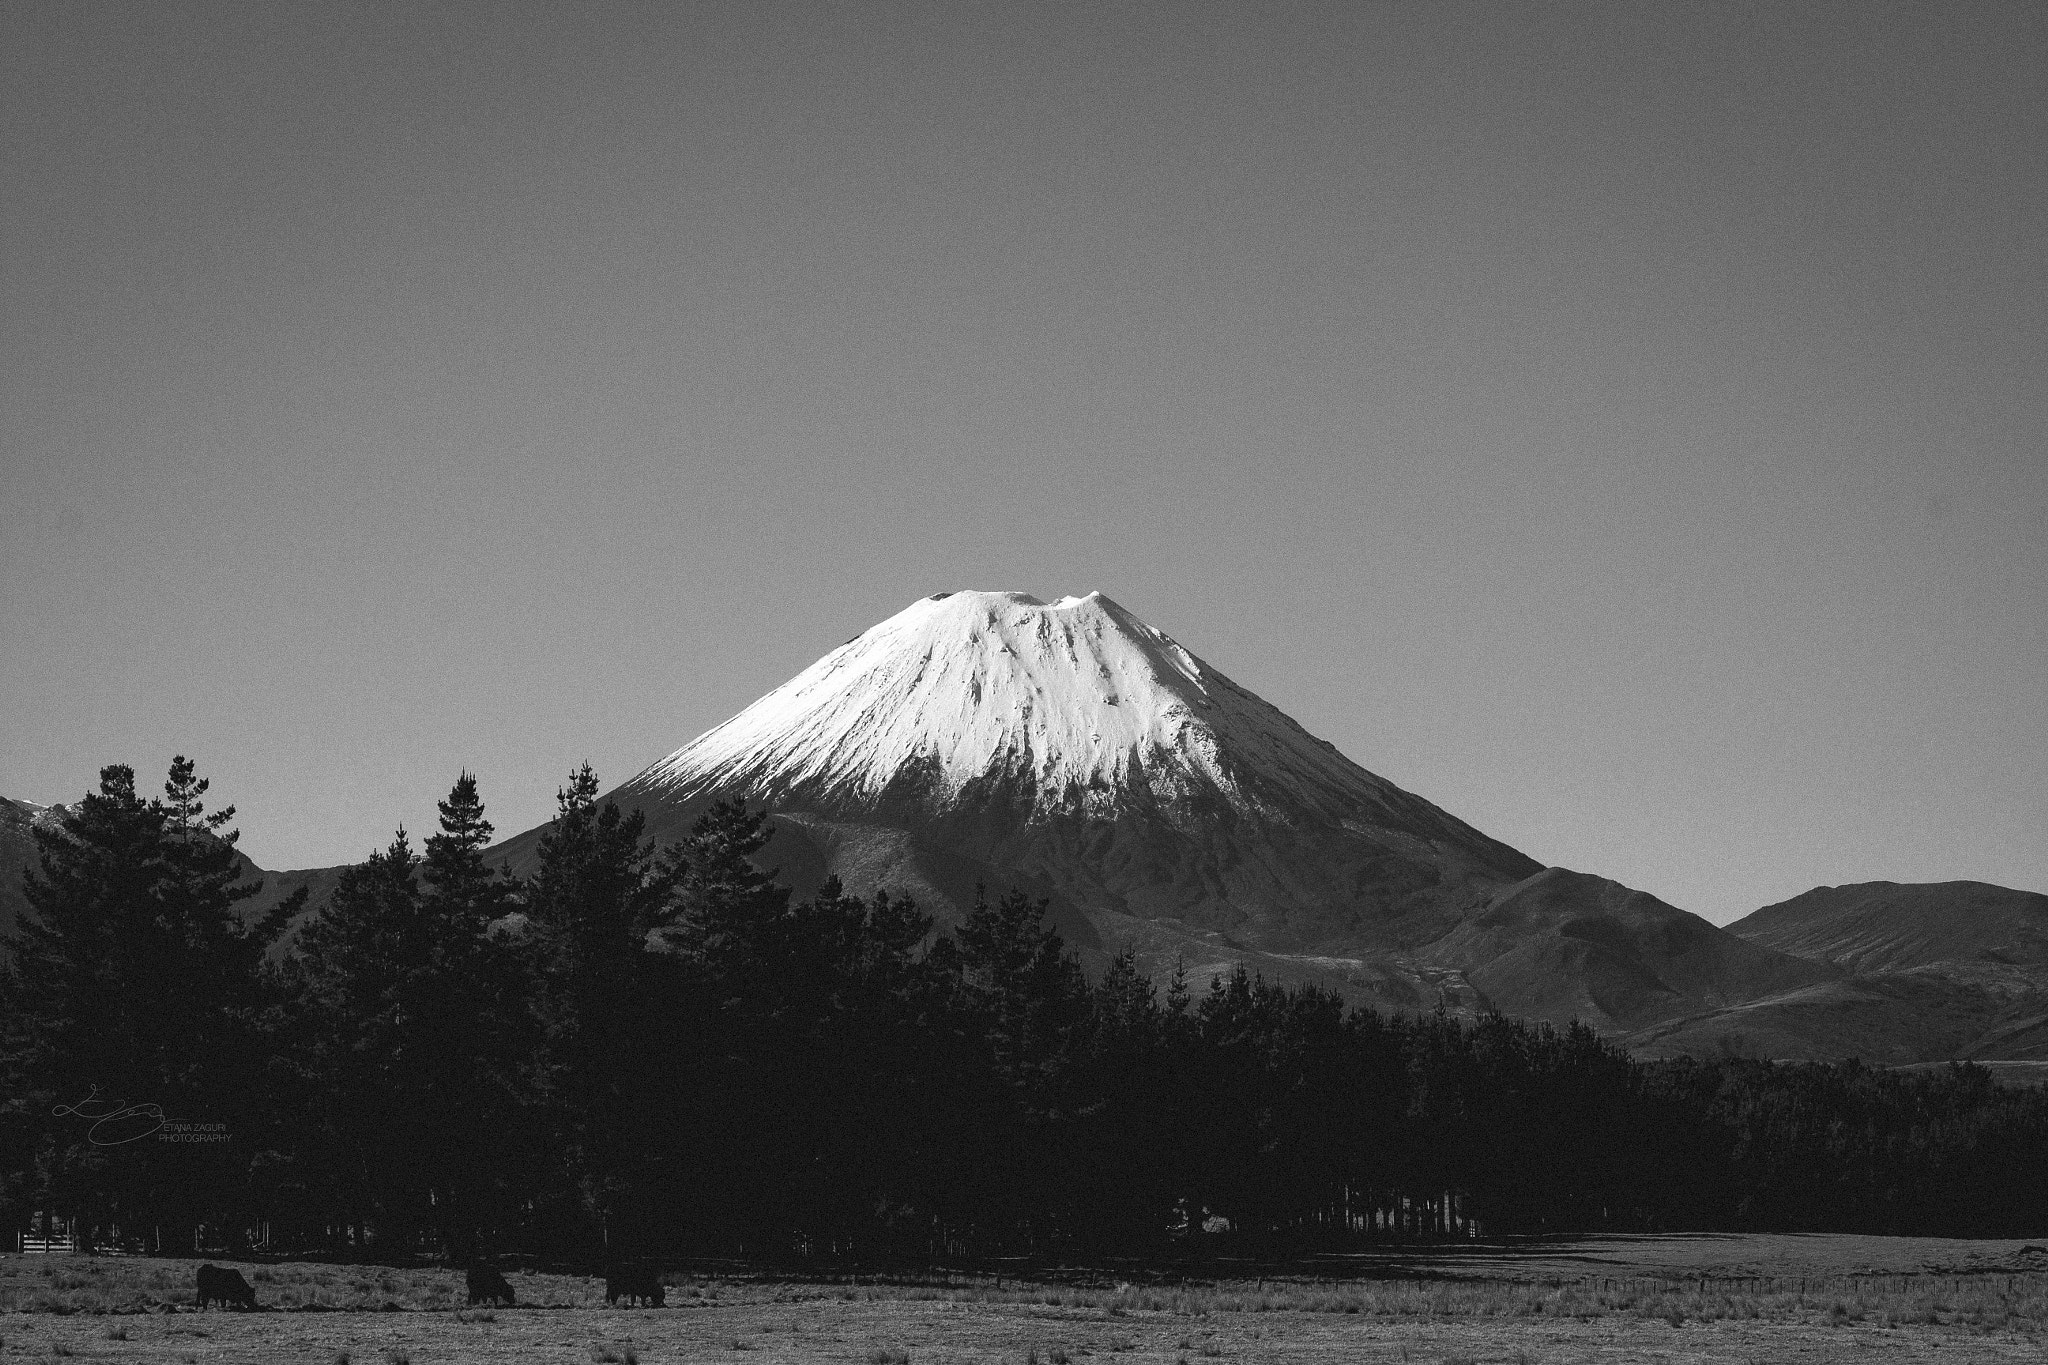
[1077, 696]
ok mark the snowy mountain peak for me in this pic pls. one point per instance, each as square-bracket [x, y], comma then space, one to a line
[1077, 702]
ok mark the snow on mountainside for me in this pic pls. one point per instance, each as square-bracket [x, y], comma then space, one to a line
[990, 737]
[1070, 750]
[1079, 697]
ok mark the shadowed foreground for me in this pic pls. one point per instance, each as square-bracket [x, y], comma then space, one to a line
[1674, 1299]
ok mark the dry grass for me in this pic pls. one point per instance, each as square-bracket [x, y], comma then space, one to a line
[54, 1308]
[1981, 1302]
[125, 1284]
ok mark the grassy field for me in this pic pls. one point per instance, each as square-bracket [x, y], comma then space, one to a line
[1637, 1299]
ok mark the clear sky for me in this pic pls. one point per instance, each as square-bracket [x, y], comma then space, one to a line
[1620, 424]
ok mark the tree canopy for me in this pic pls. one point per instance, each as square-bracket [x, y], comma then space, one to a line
[637, 1050]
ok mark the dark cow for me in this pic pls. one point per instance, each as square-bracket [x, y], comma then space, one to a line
[630, 1283]
[226, 1286]
[487, 1285]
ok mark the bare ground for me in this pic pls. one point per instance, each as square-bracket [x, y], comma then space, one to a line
[1632, 1300]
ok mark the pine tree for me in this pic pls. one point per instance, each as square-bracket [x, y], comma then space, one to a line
[1121, 1194]
[463, 891]
[601, 886]
[363, 965]
[732, 913]
[1023, 998]
[136, 982]
[599, 890]
[423, 998]
[1016, 968]
[843, 1080]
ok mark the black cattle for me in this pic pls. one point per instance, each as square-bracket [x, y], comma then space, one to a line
[226, 1286]
[487, 1285]
[630, 1284]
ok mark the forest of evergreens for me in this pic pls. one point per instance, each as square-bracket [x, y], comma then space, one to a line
[662, 1052]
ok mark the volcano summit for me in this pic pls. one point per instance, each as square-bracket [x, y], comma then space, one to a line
[1072, 708]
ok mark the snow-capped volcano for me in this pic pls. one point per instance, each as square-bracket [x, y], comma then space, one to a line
[1075, 703]
[992, 737]
[1070, 750]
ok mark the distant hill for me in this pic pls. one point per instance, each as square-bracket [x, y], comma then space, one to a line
[318, 881]
[1563, 945]
[1969, 930]
[1886, 1019]
[1929, 970]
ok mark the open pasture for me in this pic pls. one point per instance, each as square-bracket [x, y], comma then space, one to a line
[1671, 1299]
[1780, 1261]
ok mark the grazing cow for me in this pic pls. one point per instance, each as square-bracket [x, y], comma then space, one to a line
[486, 1284]
[226, 1286]
[631, 1283]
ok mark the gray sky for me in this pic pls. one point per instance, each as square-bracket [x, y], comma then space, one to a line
[1619, 424]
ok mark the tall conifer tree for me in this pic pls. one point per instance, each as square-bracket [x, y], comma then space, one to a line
[599, 890]
[136, 985]
[424, 996]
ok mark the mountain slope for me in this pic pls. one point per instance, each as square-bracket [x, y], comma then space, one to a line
[1933, 970]
[1068, 747]
[17, 853]
[1078, 706]
[1972, 930]
[1070, 750]
[1564, 945]
[1889, 1018]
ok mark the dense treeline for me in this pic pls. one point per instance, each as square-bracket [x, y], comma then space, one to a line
[642, 1051]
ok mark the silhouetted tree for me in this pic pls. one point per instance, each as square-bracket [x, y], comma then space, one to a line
[637, 1052]
[599, 890]
[137, 997]
[419, 1018]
